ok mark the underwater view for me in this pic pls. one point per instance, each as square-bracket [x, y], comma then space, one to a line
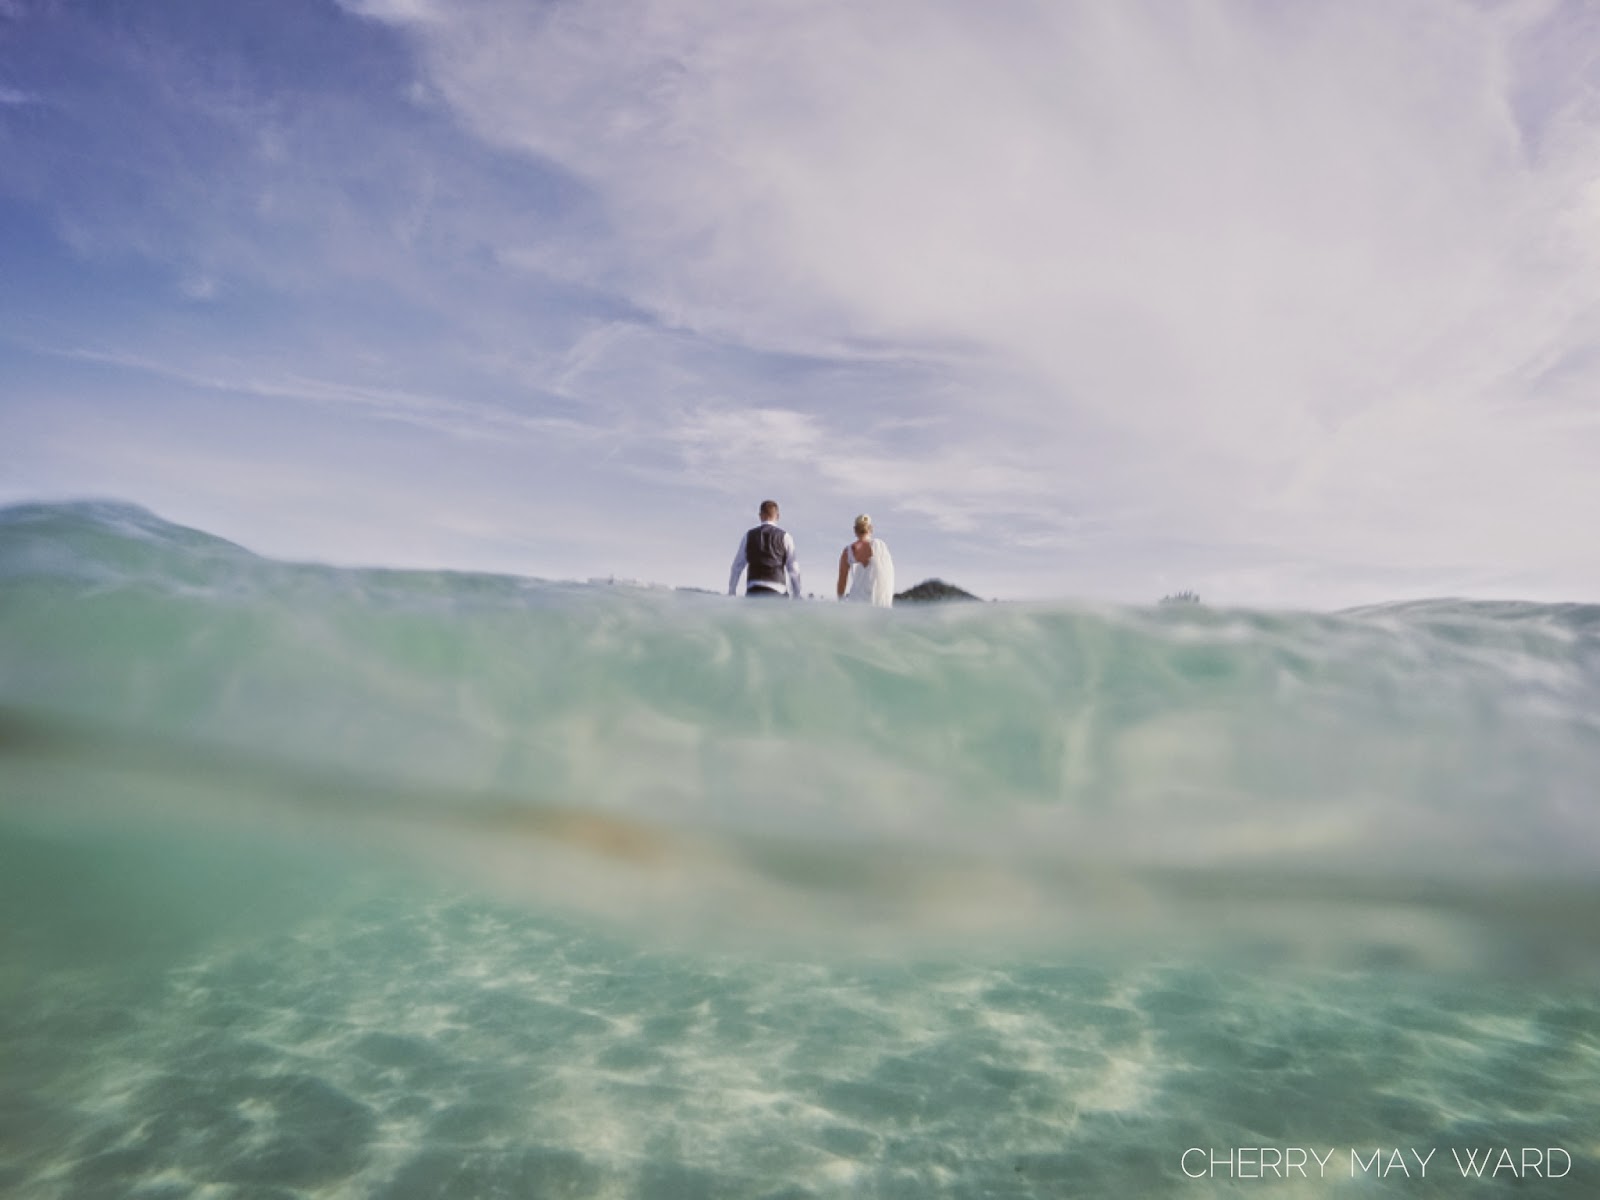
[333, 883]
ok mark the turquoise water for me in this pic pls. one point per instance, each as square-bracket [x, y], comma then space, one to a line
[335, 883]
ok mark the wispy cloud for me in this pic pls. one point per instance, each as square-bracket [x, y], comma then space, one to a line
[1301, 267]
[1060, 289]
[961, 488]
[458, 418]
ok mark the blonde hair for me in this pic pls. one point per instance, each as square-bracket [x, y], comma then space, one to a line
[863, 525]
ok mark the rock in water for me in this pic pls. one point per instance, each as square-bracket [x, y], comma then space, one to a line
[934, 589]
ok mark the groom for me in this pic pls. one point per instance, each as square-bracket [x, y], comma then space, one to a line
[768, 553]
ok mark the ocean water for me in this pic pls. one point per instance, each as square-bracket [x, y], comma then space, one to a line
[343, 883]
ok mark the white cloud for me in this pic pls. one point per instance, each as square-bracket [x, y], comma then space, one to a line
[1280, 295]
[411, 11]
[1300, 265]
[756, 434]
[958, 487]
[198, 287]
[442, 414]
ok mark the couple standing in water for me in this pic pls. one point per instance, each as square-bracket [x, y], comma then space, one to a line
[767, 557]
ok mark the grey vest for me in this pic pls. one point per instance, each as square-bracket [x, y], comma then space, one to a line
[764, 552]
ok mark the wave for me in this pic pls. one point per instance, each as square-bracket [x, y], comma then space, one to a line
[1409, 782]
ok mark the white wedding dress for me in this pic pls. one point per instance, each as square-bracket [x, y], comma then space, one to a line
[872, 583]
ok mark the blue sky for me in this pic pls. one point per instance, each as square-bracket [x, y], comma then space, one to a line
[1289, 304]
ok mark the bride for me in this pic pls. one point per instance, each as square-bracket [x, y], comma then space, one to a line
[866, 572]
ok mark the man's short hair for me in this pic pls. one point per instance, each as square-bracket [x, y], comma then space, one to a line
[769, 510]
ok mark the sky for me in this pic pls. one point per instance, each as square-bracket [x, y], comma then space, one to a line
[1293, 305]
